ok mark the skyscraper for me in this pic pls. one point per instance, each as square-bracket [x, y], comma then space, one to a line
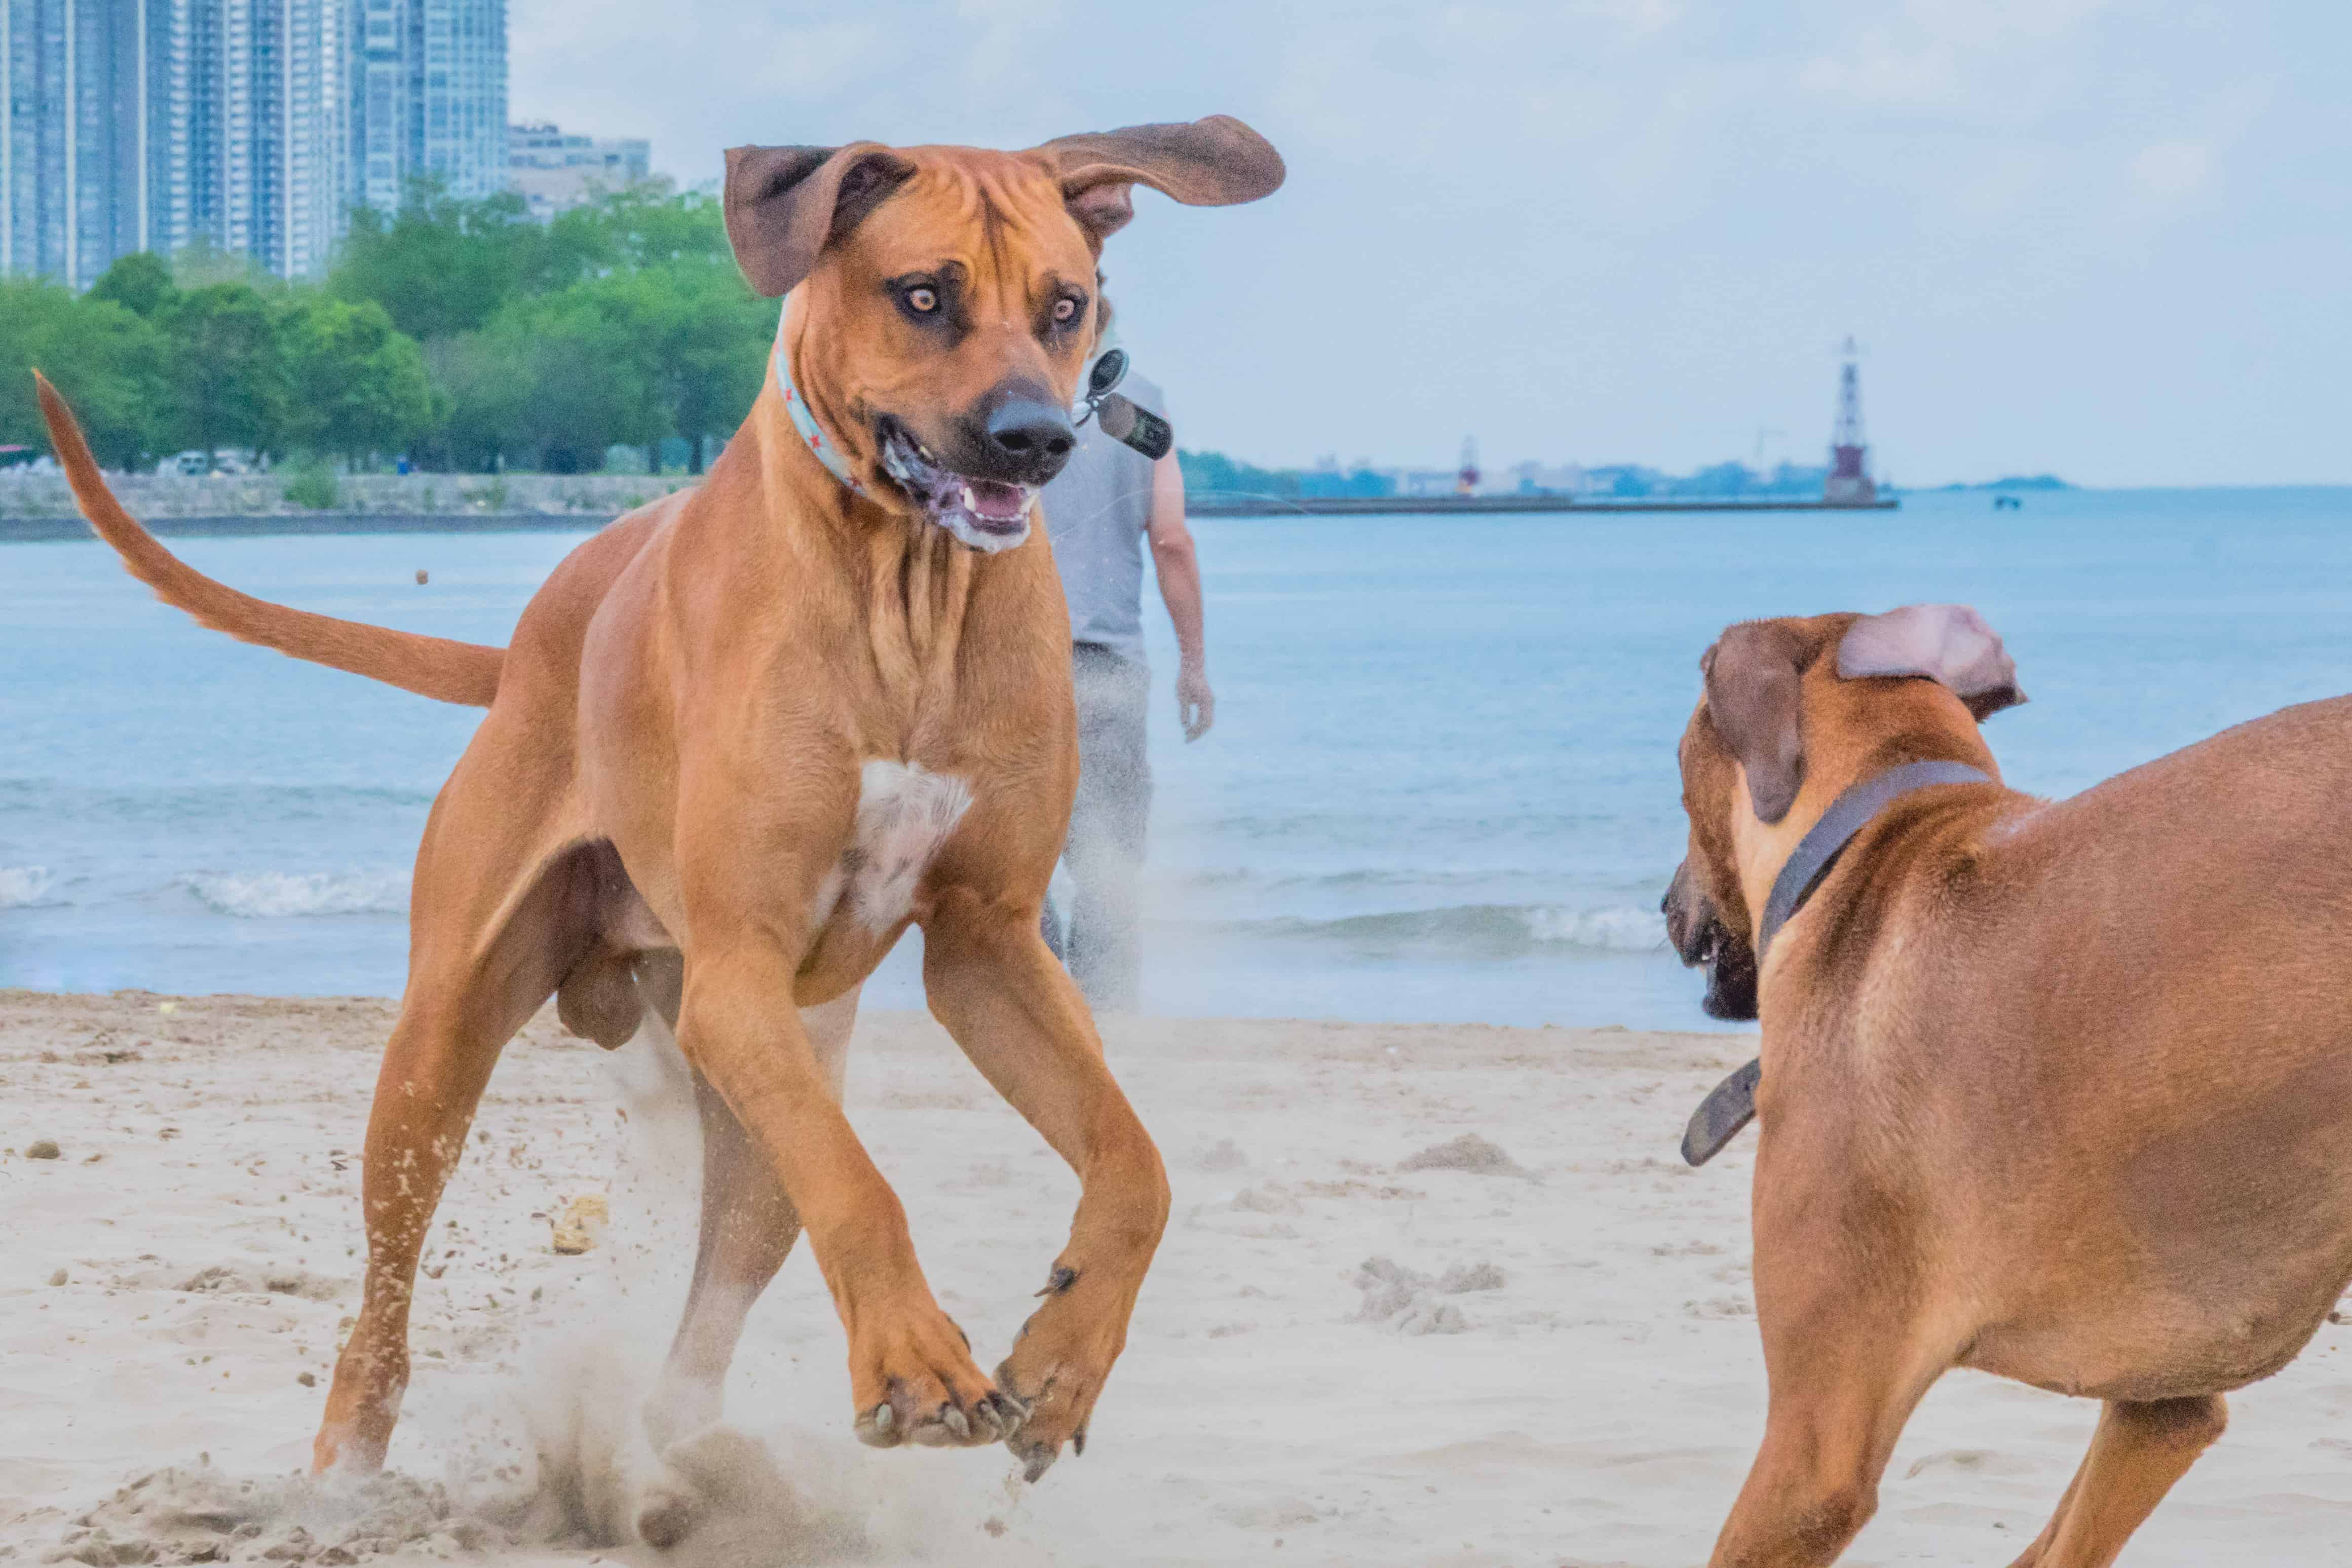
[265, 175]
[250, 125]
[85, 151]
[428, 97]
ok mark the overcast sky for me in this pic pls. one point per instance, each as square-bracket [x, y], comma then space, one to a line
[2106, 238]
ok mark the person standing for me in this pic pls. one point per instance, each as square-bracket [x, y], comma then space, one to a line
[1099, 511]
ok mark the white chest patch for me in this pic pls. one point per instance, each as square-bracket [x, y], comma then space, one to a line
[905, 813]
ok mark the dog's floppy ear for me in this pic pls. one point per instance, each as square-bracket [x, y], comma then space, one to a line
[1754, 691]
[1947, 643]
[1213, 162]
[785, 203]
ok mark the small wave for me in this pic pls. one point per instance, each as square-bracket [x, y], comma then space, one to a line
[1484, 930]
[1610, 930]
[22, 885]
[277, 894]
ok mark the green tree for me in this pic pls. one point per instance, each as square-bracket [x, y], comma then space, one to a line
[106, 360]
[696, 335]
[227, 369]
[140, 283]
[1214, 474]
[589, 361]
[638, 226]
[713, 351]
[485, 392]
[359, 386]
[442, 264]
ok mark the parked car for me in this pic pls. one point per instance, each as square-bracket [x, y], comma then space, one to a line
[225, 461]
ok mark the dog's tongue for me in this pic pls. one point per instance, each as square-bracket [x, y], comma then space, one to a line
[996, 502]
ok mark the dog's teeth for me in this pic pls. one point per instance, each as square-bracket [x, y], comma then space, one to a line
[969, 504]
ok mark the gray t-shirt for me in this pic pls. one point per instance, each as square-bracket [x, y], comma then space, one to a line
[1097, 510]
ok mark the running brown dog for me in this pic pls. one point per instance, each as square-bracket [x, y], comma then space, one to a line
[2058, 1091]
[746, 736]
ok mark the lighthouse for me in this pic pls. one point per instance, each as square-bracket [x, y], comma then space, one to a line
[1848, 483]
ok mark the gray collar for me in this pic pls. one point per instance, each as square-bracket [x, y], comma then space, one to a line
[1817, 852]
[1732, 1105]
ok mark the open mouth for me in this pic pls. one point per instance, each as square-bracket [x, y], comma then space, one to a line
[1702, 942]
[982, 513]
[1730, 974]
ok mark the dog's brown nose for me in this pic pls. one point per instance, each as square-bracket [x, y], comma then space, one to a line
[1031, 437]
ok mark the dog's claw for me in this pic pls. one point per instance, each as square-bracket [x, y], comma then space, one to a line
[1037, 1461]
[878, 1427]
[1078, 1442]
[955, 1421]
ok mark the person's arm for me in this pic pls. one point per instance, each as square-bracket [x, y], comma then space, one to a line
[1178, 568]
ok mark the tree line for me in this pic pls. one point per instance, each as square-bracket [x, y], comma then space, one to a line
[459, 334]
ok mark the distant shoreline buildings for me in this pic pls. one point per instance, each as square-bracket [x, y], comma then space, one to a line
[1845, 481]
[249, 126]
[553, 169]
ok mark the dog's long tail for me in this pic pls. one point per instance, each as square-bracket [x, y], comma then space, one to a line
[436, 667]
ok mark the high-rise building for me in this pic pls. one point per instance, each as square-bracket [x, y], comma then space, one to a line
[86, 151]
[260, 87]
[428, 97]
[155, 124]
[253, 126]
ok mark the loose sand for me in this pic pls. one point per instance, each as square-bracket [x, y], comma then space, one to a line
[1432, 1296]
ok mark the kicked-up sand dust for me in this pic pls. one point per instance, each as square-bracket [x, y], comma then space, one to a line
[1358, 1347]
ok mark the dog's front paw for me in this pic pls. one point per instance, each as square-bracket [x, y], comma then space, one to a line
[913, 1381]
[1059, 1365]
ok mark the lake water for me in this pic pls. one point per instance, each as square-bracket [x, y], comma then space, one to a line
[1440, 787]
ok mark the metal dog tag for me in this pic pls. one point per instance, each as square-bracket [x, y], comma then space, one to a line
[1109, 372]
[1722, 1113]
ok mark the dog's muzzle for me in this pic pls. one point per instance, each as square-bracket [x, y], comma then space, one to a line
[982, 513]
[1702, 941]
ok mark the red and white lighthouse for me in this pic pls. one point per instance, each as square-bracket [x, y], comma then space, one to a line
[1849, 484]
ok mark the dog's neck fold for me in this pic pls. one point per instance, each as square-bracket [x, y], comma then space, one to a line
[912, 579]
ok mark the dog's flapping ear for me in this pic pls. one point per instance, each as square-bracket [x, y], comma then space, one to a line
[785, 204]
[1213, 162]
[1754, 692]
[1947, 643]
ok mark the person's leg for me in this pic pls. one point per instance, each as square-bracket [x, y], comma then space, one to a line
[1108, 824]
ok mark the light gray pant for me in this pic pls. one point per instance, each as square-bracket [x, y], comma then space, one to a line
[1108, 820]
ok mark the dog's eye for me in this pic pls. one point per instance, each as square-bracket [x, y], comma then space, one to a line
[923, 300]
[1066, 311]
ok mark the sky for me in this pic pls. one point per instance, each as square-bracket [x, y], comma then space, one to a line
[2109, 239]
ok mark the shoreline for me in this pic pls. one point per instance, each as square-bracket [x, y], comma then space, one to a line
[258, 525]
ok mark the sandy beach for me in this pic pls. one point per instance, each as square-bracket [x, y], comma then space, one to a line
[1551, 1360]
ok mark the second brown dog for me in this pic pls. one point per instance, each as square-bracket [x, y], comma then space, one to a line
[2058, 1091]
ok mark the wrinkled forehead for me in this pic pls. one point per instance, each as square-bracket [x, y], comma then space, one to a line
[1000, 216]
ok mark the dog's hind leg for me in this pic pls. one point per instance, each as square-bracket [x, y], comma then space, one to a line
[471, 985]
[749, 1227]
[2139, 1452]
